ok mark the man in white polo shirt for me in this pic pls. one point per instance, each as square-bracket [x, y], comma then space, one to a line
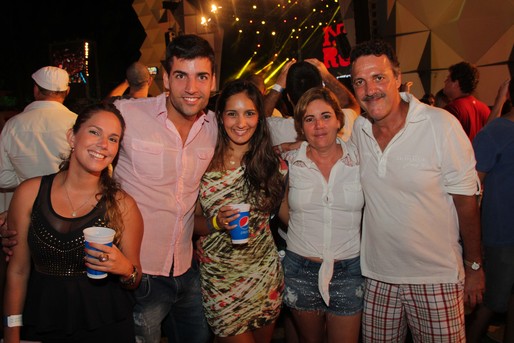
[421, 231]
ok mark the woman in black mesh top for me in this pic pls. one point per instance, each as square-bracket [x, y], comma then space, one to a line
[47, 287]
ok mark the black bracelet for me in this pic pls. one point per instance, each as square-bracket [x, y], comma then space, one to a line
[209, 225]
[212, 224]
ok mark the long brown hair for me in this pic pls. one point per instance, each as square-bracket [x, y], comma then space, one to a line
[261, 164]
[110, 190]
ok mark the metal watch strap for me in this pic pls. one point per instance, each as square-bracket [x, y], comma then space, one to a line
[131, 280]
[473, 265]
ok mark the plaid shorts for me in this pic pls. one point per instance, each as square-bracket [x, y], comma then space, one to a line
[433, 312]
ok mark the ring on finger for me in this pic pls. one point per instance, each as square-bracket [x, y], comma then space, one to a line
[103, 257]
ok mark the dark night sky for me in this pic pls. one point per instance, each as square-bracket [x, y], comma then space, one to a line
[30, 27]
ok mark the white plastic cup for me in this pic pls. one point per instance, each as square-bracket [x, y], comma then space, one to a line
[240, 233]
[102, 235]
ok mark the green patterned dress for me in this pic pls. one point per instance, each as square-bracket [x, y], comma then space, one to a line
[241, 285]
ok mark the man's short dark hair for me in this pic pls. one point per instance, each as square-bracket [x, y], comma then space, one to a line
[301, 77]
[188, 47]
[376, 47]
[467, 75]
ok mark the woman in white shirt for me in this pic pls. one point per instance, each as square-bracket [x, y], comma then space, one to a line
[324, 286]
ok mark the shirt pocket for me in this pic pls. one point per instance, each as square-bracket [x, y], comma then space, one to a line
[147, 159]
[202, 160]
[353, 196]
[305, 191]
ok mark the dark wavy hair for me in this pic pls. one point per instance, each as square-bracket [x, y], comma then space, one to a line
[301, 77]
[467, 75]
[263, 180]
[110, 190]
[188, 47]
[317, 93]
[376, 47]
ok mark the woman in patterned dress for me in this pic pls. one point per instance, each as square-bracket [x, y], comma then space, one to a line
[241, 285]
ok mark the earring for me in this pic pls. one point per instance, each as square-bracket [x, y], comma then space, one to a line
[72, 149]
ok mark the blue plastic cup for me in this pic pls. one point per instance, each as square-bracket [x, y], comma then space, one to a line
[100, 235]
[240, 233]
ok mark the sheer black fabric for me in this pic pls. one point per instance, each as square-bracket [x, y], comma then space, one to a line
[62, 304]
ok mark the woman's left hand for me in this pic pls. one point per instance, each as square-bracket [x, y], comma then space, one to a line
[107, 259]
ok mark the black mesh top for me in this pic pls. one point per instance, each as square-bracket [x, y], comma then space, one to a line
[57, 243]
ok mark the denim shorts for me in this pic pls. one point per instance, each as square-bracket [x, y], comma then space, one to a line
[302, 293]
[499, 277]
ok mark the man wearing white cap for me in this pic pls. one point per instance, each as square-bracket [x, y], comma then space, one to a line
[32, 141]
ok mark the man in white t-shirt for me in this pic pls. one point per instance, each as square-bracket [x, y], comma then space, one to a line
[421, 230]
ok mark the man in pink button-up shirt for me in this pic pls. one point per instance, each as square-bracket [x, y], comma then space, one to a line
[168, 145]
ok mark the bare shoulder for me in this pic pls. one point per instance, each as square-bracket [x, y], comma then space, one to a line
[126, 201]
[22, 203]
[28, 189]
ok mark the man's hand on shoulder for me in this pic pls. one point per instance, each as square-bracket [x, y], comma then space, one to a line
[285, 147]
[8, 236]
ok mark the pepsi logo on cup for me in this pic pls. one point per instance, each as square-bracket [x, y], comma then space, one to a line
[240, 233]
[243, 221]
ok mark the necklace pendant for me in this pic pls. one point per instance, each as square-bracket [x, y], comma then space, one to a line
[232, 162]
[74, 214]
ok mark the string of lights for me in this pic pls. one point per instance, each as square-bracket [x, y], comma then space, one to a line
[265, 33]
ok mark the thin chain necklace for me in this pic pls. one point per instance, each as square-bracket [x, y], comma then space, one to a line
[233, 157]
[74, 210]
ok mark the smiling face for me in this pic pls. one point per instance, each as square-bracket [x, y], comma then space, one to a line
[240, 119]
[320, 124]
[190, 83]
[96, 142]
[376, 86]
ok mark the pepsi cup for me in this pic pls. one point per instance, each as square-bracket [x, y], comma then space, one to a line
[100, 235]
[240, 233]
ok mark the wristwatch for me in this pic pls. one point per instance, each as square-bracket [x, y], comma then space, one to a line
[131, 280]
[473, 265]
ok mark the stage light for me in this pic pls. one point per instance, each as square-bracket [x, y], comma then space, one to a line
[275, 71]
